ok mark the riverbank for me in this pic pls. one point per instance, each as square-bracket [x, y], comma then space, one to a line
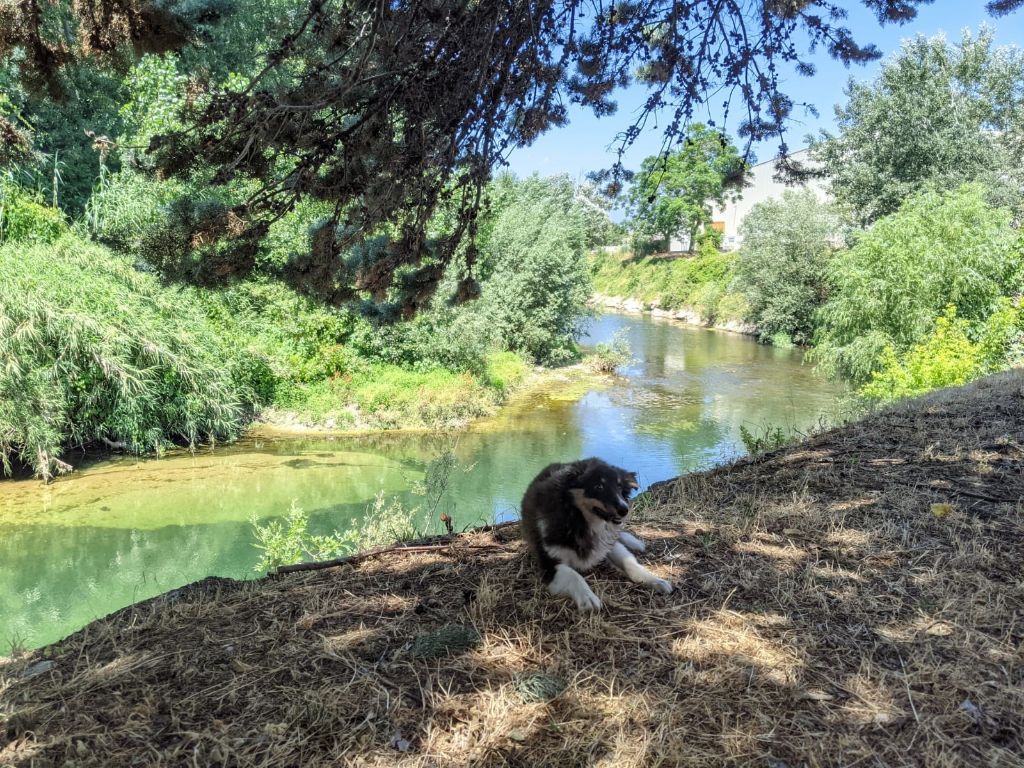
[520, 382]
[855, 597]
[690, 315]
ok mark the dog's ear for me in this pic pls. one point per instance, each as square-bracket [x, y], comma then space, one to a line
[629, 479]
[574, 474]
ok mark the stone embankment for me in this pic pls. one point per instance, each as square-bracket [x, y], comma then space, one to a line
[684, 314]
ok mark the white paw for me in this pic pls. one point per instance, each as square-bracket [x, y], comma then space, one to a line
[660, 585]
[587, 602]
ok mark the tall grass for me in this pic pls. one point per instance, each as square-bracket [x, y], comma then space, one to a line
[92, 351]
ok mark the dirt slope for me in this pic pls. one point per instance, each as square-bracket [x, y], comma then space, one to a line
[826, 614]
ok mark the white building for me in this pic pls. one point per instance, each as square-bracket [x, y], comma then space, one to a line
[762, 186]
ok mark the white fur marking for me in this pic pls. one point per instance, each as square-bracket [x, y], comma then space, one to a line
[623, 559]
[569, 583]
[631, 542]
[605, 536]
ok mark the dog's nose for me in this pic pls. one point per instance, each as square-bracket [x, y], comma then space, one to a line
[621, 506]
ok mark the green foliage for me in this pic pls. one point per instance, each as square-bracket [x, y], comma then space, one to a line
[448, 640]
[126, 206]
[766, 439]
[702, 282]
[288, 541]
[937, 114]
[66, 161]
[533, 270]
[672, 194]
[610, 356]
[949, 356]
[505, 371]
[96, 351]
[781, 269]
[24, 217]
[156, 95]
[938, 249]
[385, 522]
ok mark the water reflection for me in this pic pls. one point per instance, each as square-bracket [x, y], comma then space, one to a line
[125, 530]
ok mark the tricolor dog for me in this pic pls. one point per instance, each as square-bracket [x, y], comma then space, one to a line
[572, 518]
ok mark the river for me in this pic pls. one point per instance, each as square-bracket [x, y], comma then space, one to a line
[123, 530]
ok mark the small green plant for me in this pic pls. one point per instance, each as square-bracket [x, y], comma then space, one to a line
[288, 541]
[386, 522]
[610, 356]
[449, 640]
[766, 439]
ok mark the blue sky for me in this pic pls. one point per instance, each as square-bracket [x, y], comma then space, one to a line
[583, 145]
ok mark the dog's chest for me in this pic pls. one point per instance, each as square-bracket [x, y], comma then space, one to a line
[583, 557]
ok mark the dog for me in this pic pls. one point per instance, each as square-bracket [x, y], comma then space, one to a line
[572, 517]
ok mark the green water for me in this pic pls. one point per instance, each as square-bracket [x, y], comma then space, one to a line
[124, 530]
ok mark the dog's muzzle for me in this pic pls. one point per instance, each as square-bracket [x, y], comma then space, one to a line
[621, 506]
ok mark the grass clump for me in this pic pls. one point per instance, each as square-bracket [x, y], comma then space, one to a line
[609, 356]
[538, 686]
[449, 640]
[96, 352]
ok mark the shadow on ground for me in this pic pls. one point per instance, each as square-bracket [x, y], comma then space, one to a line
[857, 599]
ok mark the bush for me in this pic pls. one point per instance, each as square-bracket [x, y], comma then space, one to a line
[781, 268]
[23, 217]
[610, 356]
[940, 248]
[766, 439]
[948, 356]
[127, 206]
[95, 351]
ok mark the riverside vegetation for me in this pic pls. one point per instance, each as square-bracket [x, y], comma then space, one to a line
[912, 279]
[115, 331]
[102, 351]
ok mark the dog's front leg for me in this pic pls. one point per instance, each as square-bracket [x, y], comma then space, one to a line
[568, 582]
[632, 543]
[623, 559]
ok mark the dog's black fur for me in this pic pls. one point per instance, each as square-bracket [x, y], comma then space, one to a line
[572, 519]
[550, 497]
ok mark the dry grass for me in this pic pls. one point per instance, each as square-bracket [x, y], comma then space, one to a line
[825, 616]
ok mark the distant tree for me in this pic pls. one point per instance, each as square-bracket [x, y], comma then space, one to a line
[391, 112]
[938, 114]
[672, 194]
[595, 208]
[534, 274]
[782, 266]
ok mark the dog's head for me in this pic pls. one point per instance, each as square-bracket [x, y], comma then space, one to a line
[602, 489]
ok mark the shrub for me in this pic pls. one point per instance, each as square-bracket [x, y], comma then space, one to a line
[781, 268]
[96, 351]
[948, 356]
[610, 356]
[766, 439]
[940, 248]
[24, 217]
[126, 206]
[734, 307]
[533, 271]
